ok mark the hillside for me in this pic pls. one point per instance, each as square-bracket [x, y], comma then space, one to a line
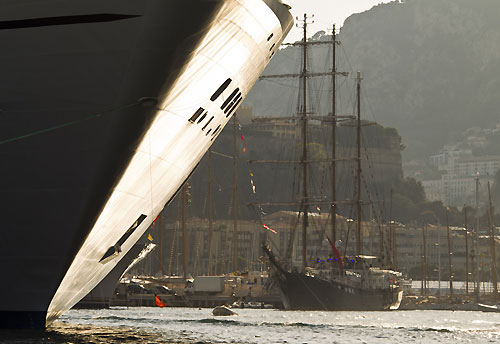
[431, 69]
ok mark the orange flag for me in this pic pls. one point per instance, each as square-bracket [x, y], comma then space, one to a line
[159, 302]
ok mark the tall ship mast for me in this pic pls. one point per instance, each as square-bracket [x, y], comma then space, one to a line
[342, 282]
[107, 107]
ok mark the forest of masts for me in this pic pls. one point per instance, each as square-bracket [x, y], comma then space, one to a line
[388, 246]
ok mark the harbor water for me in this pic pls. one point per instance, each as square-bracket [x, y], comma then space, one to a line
[196, 326]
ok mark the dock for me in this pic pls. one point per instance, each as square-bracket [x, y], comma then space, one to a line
[198, 301]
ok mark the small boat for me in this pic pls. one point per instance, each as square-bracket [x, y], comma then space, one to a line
[488, 308]
[223, 311]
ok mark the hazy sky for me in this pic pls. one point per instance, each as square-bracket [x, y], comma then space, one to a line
[326, 13]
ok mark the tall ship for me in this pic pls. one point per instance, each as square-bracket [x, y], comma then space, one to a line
[107, 106]
[336, 281]
[355, 284]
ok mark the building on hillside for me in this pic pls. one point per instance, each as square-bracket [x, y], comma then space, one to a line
[434, 190]
[455, 190]
[444, 160]
[458, 186]
[469, 166]
[283, 129]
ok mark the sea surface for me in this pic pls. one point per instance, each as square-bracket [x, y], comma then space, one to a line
[199, 326]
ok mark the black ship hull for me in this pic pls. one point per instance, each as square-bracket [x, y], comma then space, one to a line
[300, 291]
[96, 136]
[303, 292]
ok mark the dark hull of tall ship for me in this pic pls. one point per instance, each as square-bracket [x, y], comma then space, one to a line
[300, 291]
[100, 126]
[303, 292]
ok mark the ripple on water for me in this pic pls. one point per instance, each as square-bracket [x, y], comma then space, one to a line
[61, 333]
[193, 326]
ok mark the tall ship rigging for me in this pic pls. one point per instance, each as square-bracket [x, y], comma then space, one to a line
[338, 282]
[106, 109]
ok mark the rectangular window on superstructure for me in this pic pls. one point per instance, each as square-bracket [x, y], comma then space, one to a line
[196, 115]
[235, 106]
[210, 120]
[216, 130]
[270, 36]
[228, 100]
[221, 89]
[131, 230]
[116, 248]
[202, 117]
[226, 110]
[232, 105]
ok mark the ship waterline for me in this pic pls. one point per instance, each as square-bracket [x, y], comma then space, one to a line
[303, 292]
[108, 107]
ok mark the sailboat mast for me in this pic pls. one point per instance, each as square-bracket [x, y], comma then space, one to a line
[450, 276]
[478, 256]
[305, 197]
[210, 212]
[492, 248]
[394, 243]
[160, 230]
[466, 253]
[358, 174]
[184, 230]
[424, 260]
[235, 198]
[334, 136]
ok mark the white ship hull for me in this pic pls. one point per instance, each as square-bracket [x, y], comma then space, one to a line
[185, 112]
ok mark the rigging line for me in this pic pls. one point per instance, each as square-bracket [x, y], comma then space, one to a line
[351, 68]
[63, 125]
[301, 278]
[340, 101]
[324, 173]
[281, 84]
[276, 247]
[197, 259]
[351, 93]
[367, 102]
[277, 170]
[347, 57]
[375, 186]
[350, 216]
[321, 89]
[291, 240]
[371, 168]
[222, 155]
[323, 231]
[385, 245]
[172, 247]
[368, 159]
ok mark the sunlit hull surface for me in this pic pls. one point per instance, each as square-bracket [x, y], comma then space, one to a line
[96, 98]
[100, 296]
